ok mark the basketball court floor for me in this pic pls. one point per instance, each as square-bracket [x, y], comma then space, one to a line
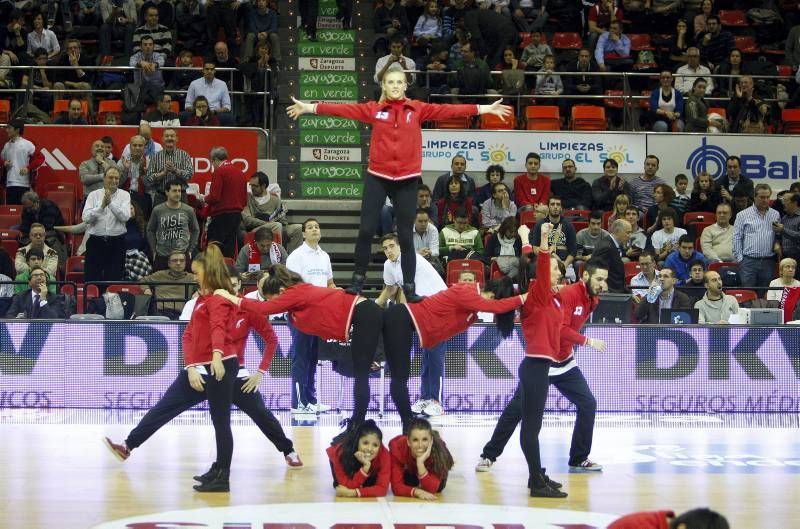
[56, 473]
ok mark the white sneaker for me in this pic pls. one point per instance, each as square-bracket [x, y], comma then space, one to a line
[319, 407]
[419, 406]
[586, 466]
[433, 409]
[303, 409]
[293, 460]
[484, 465]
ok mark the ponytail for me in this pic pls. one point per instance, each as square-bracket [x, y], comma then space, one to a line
[441, 458]
[279, 277]
[502, 288]
[215, 271]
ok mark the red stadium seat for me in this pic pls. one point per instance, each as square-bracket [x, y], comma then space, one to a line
[131, 289]
[606, 216]
[582, 214]
[63, 199]
[722, 111]
[62, 105]
[494, 271]
[791, 120]
[614, 99]
[714, 267]
[732, 18]
[454, 123]
[567, 41]
[9, 209]
[544, 117]
[74, 268]
[588, 117]
[108, 106]
[742, 296]
[492, 122]
[579, 225]
[7, 221]
[456, 266]
[528, 217]
[694, 217]
[746, 44]
[5, 110]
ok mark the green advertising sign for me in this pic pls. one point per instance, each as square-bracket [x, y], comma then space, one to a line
[331, 189]
[329, 78]
[327, 122]
[325, 49]
[333, 171]
[327, 8]
[328, 93]
[330, 137]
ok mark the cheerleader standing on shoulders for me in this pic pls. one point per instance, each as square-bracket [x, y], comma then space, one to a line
[420, 462]
[360, 464]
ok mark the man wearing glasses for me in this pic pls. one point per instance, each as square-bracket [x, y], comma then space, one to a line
[36, 302]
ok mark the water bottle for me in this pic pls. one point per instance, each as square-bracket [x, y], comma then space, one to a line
[654, 291]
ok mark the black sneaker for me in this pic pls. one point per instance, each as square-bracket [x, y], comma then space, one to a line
[547, 492]
[219, 482]
[202, 478]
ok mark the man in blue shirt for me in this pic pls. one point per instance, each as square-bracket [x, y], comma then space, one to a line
[681, 260]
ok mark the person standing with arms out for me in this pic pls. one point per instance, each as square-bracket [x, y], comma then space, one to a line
[181, 395]
[578, 301]
[360, 464]
[20, 159]
[330, 314]
[226, 200]
[395, 162]
[313, 264]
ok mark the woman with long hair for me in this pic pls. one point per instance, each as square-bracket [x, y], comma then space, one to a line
[734, 66]
[437, 318]
[705, 195]
[420, 462]
[328, 313]
[360, 464]
[505, 247]
[395, 162]
[455, 198]
[663, 194]
[621, 204]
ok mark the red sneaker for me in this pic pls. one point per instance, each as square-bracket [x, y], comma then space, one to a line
[120, 451]
[293, 460]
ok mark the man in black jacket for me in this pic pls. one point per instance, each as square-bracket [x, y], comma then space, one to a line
[669, 298]
[37, 302]
[608, 253]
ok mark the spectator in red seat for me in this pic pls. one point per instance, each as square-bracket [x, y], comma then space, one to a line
[162, 115]
[586, 84]
[458, 168]
[41, 211]
[716, 241]
[562, 236]
[663, 194]
[148, 63]
[472, 76]
[701, 19]
[494, 174]
[172, 227]
[686, 75]
[183, 77]
[732, 65]
[49, 257]
[455, 199]
[505, 247]
[705, 196]
[169, 164]
[746, 112]
[532, 189]
[666, 104]
[92, 171]
[600, 16]
[201, 115]
[606, 188]
[534, 53]
[222, 57]
[73, 116]
[613, 49]
[696, 109]
[715, 44]
[498, 208]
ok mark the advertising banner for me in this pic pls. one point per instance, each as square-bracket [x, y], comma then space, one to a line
[125, 365]
[328, 78]
[772, 159]
[509, 148]
[326, 63]
[328, 154]
[327, 122]
[65, 147]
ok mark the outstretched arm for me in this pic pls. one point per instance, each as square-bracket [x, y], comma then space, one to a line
[299, 108]
[497, 108]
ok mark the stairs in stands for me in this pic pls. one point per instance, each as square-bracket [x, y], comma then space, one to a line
[322, 159]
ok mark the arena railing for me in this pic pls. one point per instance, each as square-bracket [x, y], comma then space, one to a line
[25, 94]
[629, 99]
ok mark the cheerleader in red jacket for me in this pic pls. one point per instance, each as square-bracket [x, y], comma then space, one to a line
[437, 318]
[328, 313]
[181, 395]
[395, 162]
[360, 463]
[420, 462]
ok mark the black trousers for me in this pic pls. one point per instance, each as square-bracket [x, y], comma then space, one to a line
[309, 10]
[533, 386]
[398, 333]
[573, 386]
[404, 198]
[14, 194]
[367, 326]
[220, 397]
[180, 396]
[105, 259]
[223, 230]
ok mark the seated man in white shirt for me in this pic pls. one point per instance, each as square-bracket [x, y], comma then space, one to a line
[427, 282]
[426, 239]
[642, 281]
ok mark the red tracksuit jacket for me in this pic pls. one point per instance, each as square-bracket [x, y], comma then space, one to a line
[531, 192]
[449, 312]
[395, 150]
[239, 330]
[643, 520]
[228, 193]
[206, 330]
[576, 306]
[381, 467]
[402, 462]
[319, 311]
[541, 313]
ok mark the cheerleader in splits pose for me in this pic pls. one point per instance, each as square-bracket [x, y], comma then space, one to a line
[437, 318]
[328, 313]
[360, 463]
[395, 162]
[182, 395]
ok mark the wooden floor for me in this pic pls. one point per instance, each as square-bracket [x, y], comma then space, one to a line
[57, 474]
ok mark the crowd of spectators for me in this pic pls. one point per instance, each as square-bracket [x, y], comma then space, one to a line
[184, 34]
[465, 50]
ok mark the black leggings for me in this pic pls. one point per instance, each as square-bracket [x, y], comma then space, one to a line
[533, 385]
[398, 333]
[404, 198]
[220, 397]
[180, 396]
[367, 325]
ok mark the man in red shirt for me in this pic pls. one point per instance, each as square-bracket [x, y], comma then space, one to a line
[531, 189]
[578, 301]
[225, 201]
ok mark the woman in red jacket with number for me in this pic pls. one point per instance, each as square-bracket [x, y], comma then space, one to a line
[420, 462]
[395, 162]
[328, 313]
[360, 463]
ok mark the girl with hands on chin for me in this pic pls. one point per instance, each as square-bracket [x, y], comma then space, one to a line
[360, 463]
[395, 162]
[420, 462]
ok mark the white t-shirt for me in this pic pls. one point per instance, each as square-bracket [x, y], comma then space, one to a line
[427, 280]
[775, 295]
[19, 153]
[660, 237]
[313, 265]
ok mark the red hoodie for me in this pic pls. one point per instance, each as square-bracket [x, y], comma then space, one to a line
[449, 312]
[541, 313]
[239, 330]
[206, 331]
[576, 307]
[381, 467]
[319, 311]
[403, 461]
[395, 151]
